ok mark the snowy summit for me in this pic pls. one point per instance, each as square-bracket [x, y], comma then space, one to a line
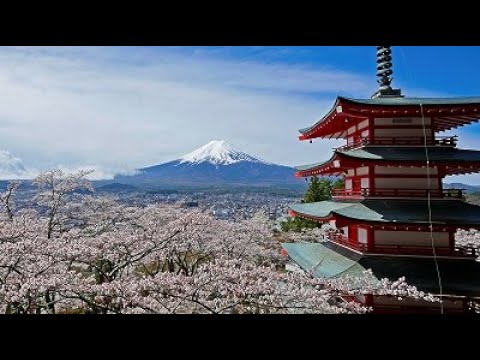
[216, 163]
[218, 153]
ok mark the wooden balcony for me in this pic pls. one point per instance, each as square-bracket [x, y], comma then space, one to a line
[439, 141]
[427, 251]
[340, 239]
[399, 193]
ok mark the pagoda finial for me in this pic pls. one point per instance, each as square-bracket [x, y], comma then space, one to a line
[384, 72]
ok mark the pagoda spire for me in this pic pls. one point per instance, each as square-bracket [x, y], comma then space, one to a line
[384, 73]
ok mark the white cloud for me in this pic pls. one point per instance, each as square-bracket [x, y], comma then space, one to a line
[117, 109]
[12, 167]
[97, 172]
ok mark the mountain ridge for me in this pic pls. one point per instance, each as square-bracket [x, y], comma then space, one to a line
[216, 163]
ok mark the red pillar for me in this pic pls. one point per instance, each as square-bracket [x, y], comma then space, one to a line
[368, 300]
[353, 233]
[451, 242]
[370, 238]
[371, 179]
[371, 131]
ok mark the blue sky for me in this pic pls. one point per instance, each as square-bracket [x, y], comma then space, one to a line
[114, 109]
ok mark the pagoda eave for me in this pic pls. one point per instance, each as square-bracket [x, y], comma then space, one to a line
[347, 112]
[447, 168]
[322, 220]
[461, 170]
[414, 226]
[338, 165]
[407, 213]
[323, 171]
[332, 167]
[337, 261]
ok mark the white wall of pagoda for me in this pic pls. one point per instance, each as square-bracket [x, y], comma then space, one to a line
[395, 170]
[362, 236]
[402, 128]
[365, 183]
[406, 183]
[396, 132]
[408, 178]
[364, 170]
[348, 184]
[401, 122]
[410, 238]
[392, 177]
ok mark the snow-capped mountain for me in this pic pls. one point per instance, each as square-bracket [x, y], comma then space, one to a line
[217, 153]
[216, 163]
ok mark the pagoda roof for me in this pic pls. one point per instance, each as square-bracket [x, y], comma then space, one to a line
[449, 113]
[324, 167]
[459, 277]
[332, 264]
[405, 101]
[440, 154]
[457, 161]
[398, 211]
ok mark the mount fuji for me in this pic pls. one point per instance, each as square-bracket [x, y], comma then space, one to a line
[216, 163]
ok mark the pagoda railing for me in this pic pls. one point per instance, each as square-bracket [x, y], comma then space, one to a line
[421, 193]
[425, 251]
[339, 238]
[442, 141]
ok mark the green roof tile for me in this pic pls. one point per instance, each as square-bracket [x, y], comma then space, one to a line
[321, 209]
[454, 212]
[398, 101]
[459, 277]
[443, 154]
[413, 154]
[311, 166]
[327, 263]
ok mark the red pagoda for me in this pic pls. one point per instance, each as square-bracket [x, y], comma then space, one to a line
[394, 216]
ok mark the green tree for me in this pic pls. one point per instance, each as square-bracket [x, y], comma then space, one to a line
[318, 190]
[338, 184]
[298, 224]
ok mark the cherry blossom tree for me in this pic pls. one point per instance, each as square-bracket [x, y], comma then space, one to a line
[54, 186]
[6, 198]
[468, 239]
[92, 254]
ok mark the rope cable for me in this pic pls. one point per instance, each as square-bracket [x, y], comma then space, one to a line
[429, 202]
[429, 199]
